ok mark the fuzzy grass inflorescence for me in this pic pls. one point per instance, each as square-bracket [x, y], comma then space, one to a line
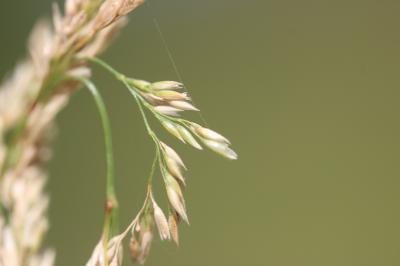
[60, 54]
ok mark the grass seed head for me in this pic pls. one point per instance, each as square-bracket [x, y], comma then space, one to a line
[173, 221]
[209, 134]
[172, 129]
[168, 110]
[161, 221]
[141, 239]
[183, 105]
[187, 136]
[166, 85]
[221, 148]
[170, 95]
[171, 153]
[153, 99]
[178, 176]
[134, 248]
[175, 197]
[114, 252]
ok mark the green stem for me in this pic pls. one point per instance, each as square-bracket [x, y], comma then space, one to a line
[153, 166]
[110, 227]
[107, 135]
[103, 64]
[146, 122]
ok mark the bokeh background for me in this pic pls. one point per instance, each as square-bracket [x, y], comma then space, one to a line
[308, 92]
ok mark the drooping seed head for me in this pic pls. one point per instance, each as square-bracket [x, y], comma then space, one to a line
[172, 129]
[166, 85]
[209, 134]
[175, 172]
[173, 154]
[161, 221]
[147, 238]
[173, 221]
[170, 95]
[134, 248]
[96, 254]
[173, 163]
[187, 136]
[174, 169]
[176, 203]
[183, 105]
[221, 148]
[168, 110]
[175, 197]
[114, 252]
[139, 247]
[153, 99]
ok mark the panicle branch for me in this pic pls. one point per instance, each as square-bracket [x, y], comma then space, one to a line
[165, 100]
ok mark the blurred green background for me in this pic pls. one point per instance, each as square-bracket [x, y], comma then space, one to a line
[308, 92]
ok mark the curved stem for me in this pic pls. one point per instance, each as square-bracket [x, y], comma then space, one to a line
[110, 227]
[153, 165]
[107, 135]
[103, 64]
